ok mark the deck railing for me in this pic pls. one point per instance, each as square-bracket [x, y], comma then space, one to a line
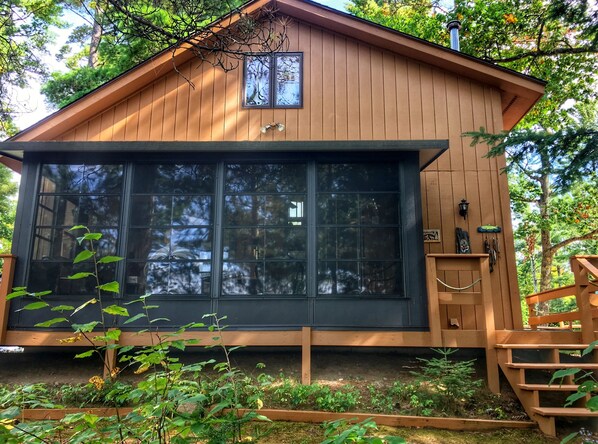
[476, 292]
[585, 291]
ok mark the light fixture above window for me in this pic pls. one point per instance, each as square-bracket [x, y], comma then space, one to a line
[279, 126]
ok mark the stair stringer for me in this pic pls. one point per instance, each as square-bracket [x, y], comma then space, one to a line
[529, 399]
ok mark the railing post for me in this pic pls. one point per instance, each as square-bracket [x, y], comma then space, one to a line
[8, 271]
[582, 295]
[433, 303]
[306, 355]
[488, 307]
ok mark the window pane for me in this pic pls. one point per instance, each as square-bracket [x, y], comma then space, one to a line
[337, 209]
[269, 178]
[192, 210]
[338, 243]
[152, 244]
[379, 209]
[358, 177]
[189, 278]
[55, 244]
[382, 278]
[285, 278]
[49, 275]
[257, 81]
[285, 243]
[151, 210]
[381, 243]
[190, 243]
[99, 210]
[338, 278]
[243, 210]
[288, 79]
[175, 179]
[243, 244]
[242, 278]
[57, 210]
[93, 179]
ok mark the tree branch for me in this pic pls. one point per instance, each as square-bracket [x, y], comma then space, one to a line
[588, 236]
[546, 53]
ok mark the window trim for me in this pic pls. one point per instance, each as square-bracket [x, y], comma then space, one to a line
[272, 81]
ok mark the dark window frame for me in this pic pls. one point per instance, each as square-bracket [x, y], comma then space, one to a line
[272, 81]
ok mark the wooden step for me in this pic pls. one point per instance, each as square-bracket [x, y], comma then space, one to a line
[552, 366]
[549, 388]
[564, 411]
[544, 346]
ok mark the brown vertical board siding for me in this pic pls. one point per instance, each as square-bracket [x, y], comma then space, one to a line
[95, 127]
[473, 315]
[132, 122]
[316, 91]
[232, 103]
[219, 98]
[480, 119]
[447, 215]
[145, 114]
[423, 177]
[194, 102]
[365, 91]
[291, 117]
[68, 136]
[403, 105]
[441, 117]
[181, 122]
[508, 246]
[451, 211]
[170, 104]
[207, 94]
[491, 121]
[120, 121]
[353, 111]
[81, 132]
[434, 218]
[328, 87]
[415, 100]
[305, 112]
[391, 124]
[428, 103]
[378, 93]
[340, 88]
[454, 123]
[158, 109]
[107, 125]
[466, 107]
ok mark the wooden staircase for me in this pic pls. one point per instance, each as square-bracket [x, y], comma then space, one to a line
[529, 368]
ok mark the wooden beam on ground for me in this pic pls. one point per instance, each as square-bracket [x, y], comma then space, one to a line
[392, 420]
[8, 271]
[306, 355]
[58, 414]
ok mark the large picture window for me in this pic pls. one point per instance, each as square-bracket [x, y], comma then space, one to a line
[273, 81]
[309, 239]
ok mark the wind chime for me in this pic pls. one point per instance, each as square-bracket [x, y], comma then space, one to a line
[491, 243]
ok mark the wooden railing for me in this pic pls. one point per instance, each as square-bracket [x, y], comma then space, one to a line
[585, 291]
[8, 271]
[476, 292]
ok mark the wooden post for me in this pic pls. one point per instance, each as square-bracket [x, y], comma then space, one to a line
[306, 355]
[491, 357]
[110, 359]
[8, 271]
[582, 295]
[433, 304]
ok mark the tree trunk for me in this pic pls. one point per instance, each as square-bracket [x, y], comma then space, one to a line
[545, 232]
[96, 37]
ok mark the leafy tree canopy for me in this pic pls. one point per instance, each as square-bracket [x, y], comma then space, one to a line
[554, 40]
[121, 34]
[23, 37]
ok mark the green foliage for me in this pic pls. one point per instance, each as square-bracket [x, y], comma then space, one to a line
[8, 191]
[452, 382]
[339, 432]
[316, 396]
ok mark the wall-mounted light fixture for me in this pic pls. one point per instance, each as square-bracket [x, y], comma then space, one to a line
[463, 208]
[279, 126]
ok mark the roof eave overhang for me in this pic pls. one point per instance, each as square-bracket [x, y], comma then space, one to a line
[429, 150]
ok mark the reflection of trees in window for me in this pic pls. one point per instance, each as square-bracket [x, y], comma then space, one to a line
[70, 195]
[358, 226]
[170, 236]
[264, 234]
[273, 81]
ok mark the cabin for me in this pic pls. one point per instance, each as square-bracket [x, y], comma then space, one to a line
[312, 196]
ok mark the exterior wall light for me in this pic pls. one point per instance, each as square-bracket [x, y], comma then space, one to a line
[463, 208]
[279, 126]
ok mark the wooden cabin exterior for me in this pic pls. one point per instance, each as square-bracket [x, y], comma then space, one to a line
[379, 127]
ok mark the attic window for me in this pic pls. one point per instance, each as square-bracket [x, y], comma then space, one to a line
[273, 80]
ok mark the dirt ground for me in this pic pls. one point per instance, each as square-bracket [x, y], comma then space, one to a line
[343, 365]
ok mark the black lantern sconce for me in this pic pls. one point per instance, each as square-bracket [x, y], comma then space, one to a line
[463, 208]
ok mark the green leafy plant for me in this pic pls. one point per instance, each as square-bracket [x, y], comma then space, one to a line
[173, 403]
[339, 432]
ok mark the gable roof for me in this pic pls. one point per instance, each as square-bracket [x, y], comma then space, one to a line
[518, 92]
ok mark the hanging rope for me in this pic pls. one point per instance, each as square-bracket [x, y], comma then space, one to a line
[459, 288]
